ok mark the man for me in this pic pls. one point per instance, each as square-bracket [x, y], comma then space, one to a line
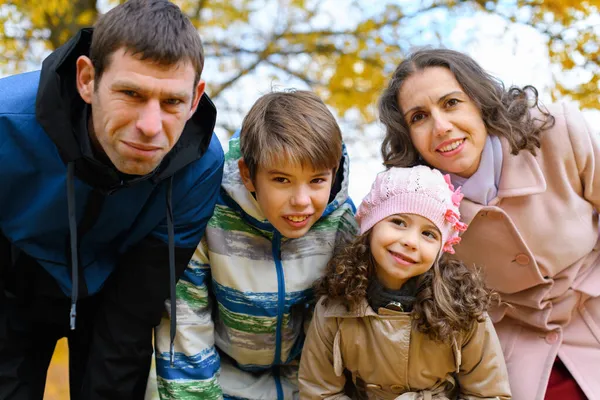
[110, 172]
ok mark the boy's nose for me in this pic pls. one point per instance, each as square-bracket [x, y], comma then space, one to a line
[300, 198]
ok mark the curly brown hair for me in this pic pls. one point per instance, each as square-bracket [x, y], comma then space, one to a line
[450, 297]
[505, 112]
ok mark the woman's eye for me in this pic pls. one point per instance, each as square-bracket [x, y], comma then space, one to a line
[417, 117]
[452, 102]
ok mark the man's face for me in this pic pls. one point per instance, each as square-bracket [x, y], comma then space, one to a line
[139, 108]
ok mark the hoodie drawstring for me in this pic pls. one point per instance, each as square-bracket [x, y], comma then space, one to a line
[73, 233]
[75, 256]
[172, 283]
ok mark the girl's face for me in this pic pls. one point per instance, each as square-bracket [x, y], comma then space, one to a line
[403, 246]
[445, 125]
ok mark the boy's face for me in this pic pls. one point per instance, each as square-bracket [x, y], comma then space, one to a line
[292, 197]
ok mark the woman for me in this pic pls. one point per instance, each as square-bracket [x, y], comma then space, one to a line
[531, 180]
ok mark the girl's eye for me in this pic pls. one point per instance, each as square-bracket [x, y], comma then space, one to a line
[417, 117]
[430, 234]
[399, 222]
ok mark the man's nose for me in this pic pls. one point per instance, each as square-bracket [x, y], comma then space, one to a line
[150, 118]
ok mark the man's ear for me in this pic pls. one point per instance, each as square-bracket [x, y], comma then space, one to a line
[198, 92]
[245, 173]
[85, 78]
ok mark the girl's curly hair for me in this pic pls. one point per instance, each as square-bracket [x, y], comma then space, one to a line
[505, 112]
[450, 297]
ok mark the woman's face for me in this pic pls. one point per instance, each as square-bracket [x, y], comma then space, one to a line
[445, 125]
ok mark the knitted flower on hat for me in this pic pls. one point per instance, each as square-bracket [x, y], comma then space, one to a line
[418, 190]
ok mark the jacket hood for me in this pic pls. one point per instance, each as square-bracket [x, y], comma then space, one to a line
[61, 112]
[234, 187]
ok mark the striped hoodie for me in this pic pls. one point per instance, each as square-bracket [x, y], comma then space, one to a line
[243, 304]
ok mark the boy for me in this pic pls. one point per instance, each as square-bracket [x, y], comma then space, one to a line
[243, 302]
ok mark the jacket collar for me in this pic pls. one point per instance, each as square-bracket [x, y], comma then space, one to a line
[521, 174]
[337, 309]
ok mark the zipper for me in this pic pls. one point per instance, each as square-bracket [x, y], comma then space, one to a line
[276, 248]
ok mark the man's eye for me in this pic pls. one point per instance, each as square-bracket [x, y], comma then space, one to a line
[130, 93]
[173, 102]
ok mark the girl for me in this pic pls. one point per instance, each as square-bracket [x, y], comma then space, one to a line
[531, 182]
[404, 320]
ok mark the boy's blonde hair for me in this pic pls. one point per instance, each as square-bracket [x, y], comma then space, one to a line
[292, 127]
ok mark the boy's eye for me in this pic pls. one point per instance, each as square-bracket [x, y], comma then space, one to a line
[281, 179]
[318, 180]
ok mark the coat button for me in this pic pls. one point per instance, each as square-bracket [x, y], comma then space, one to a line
[396, 389]
[552, 337]
[522, 259]
[373, 386]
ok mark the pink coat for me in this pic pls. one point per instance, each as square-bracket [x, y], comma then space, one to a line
[537, 243]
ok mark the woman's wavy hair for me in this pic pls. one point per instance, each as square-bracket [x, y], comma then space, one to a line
[450, 297]
[505, 112]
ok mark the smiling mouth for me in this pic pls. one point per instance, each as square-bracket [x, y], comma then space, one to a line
[451, 146]
[402, 257]
[297, 218]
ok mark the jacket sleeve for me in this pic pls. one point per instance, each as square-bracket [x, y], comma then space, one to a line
[347, 228]
[586, 150]
[317, 378]
[482, 373]
[197, 363]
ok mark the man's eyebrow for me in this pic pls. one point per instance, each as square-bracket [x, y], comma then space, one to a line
[127, 85]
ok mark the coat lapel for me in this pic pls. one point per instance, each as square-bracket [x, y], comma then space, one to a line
[521, 176]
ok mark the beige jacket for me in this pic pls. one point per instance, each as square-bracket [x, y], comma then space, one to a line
[538, 245]
[394, 361]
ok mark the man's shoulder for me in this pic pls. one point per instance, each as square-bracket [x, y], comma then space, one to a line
[210, 162]
[18, 93]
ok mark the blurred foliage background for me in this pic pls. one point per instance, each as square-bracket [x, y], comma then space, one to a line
[343, 49]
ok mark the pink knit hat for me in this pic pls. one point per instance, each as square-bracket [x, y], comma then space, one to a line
[418, 190]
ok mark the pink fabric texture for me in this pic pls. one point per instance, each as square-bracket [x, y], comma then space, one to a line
[418, 190]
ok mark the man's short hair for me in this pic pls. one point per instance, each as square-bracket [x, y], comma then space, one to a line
[293, 127]
[155, 30]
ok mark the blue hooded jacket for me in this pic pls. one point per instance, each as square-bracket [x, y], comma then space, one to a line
[78, 217]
